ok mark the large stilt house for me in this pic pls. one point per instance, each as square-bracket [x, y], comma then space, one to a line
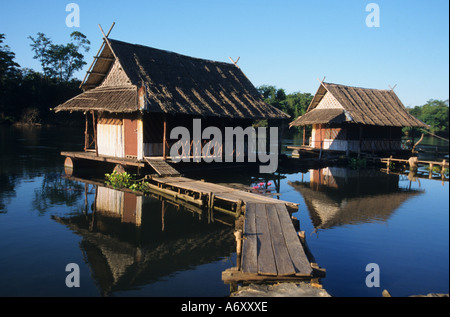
[351, 119]
[134, 95]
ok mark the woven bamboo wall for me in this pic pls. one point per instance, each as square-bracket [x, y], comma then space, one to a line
[116, 77]
[329, 102]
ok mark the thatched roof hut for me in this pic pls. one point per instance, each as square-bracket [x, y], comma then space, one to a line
[353, 119]
[135, 95]
[338, 104]
[171, 83]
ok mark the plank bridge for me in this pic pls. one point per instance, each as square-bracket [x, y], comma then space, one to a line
[269, 248]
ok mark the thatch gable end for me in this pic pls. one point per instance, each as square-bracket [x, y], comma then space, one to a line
[173, 84]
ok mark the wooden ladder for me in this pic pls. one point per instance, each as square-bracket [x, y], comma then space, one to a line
[162, 167]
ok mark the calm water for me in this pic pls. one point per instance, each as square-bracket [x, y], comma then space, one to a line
[145, 246]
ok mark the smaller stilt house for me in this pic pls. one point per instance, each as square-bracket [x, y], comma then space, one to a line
[352, 119]
[134, 95]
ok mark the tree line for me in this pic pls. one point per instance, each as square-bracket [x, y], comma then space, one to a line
[27, 95]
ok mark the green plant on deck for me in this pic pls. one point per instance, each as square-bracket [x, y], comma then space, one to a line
[125, 180]
[357, 163]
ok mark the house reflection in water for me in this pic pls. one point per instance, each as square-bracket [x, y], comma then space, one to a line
[130, 240]
[337, 196]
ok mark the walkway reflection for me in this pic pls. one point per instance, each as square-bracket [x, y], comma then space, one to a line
[131, 240]
[338, 196]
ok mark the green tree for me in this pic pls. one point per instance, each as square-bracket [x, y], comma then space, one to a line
[9, 79]
[59, 61]
[294, 104]
[435, 114]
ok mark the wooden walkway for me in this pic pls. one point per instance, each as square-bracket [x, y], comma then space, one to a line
[271, 248]
[271, 245]
[214, 196]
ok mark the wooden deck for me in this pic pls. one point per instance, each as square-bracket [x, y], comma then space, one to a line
[219, 197]
[104, 158]
[271, 245]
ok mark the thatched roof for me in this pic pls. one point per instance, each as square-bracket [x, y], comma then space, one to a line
[117, 99]
[172, 83]
[357, 105]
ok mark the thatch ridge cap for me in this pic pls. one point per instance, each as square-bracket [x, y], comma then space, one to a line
[171, 52]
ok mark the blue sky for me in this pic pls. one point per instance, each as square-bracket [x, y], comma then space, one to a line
[288, 44]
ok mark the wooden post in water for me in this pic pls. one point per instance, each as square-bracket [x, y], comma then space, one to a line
[443, 169]
[238, 237]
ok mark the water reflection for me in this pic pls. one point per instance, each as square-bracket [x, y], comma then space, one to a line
[337, 196]
[129, 240]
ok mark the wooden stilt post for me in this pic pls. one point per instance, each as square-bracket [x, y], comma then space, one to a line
[164, 138]
[304, 134]
[360, 141]
[95, 133]
[86, 134]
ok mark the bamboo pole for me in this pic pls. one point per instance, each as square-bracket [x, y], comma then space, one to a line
[96, 55]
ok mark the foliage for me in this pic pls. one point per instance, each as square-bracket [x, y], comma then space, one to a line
[294, 104]
[23, 89]
[435, 114]
[357, 163]
[59, 61]
[30, 116]
[9, 79]
[125, 180]
[8, 67]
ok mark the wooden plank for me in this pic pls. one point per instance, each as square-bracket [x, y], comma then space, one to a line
[266, 261]
[249, 249]
[161, 167]
[295, 248]
[282, 258]
[239, 276]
